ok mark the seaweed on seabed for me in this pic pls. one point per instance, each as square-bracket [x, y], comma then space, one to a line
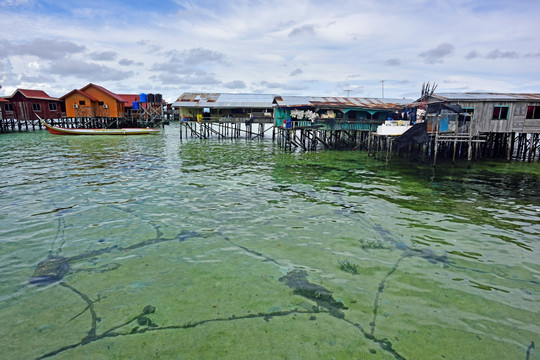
[350, 267]
[372, 245]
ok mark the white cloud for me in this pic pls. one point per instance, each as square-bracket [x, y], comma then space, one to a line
[437, 54]
[49, 49]
[301, 47]
[236, 84]
[302, 31]
[498, 54]
[81, 69]
[103, 55]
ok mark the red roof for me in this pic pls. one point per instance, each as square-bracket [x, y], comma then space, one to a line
[110, 93]
[79, 92]
[129, 97]
[2, 99]
[33, 94]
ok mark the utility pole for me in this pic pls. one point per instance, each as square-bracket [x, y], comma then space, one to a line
[382, 85]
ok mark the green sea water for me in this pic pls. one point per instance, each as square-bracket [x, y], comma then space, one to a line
[235, 249]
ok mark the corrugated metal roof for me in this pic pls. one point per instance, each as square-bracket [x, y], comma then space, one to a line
[486, 96]
[224, 100]
[341, 102]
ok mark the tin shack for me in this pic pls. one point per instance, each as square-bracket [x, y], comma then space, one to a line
[225, 107]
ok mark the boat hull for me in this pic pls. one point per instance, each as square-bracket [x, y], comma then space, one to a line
[55, 130]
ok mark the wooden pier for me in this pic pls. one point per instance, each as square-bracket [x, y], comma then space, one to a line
[447, 145]
[309, 136]
[227, 127]
[13, 125]
[321, 133]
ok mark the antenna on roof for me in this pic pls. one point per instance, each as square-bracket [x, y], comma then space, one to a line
[348, 91]
[427, 90]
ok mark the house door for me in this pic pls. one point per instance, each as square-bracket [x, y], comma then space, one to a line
[23, 111]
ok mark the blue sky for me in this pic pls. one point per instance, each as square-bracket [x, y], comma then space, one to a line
[301, 47]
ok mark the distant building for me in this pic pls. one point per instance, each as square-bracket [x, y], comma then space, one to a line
[213, 106]
[27, 104]
[96, 101]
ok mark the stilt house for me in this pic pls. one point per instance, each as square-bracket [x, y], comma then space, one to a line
[495, 112]
[214, 106]
[95, 101]
[27, 104]
[339, 113]
[4, 106]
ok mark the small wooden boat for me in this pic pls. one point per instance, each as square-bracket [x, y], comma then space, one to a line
[55, 130]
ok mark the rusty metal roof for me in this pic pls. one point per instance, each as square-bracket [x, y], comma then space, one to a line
[341, 102]
[224, 100]
[486, 96]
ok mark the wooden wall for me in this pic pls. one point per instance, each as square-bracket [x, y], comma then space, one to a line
[74, 107]
[114, 108]
[23, 108]
[483, 121]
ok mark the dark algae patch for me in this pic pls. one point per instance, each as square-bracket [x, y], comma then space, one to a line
[297, 280]
[50, 270]
[350, 267]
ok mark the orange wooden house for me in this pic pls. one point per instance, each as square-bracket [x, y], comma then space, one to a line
[95, 101]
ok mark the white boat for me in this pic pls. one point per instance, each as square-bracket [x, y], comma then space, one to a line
[393, 127]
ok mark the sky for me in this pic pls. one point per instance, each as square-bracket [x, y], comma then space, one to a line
[360, 48]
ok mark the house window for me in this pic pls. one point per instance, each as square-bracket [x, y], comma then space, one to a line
[533, 112]
[500, 113]
[36, 107]
[100, 103]
[52, 107]
[82, 102]
[8, 107]
[469, 111]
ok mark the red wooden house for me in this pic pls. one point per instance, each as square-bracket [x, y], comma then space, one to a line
[4, 105]
[27, 104]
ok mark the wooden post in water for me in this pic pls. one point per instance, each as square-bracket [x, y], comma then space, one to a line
[469, 152]
[509, 147]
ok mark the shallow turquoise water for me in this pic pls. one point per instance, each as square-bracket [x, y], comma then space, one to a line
[243, 250]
